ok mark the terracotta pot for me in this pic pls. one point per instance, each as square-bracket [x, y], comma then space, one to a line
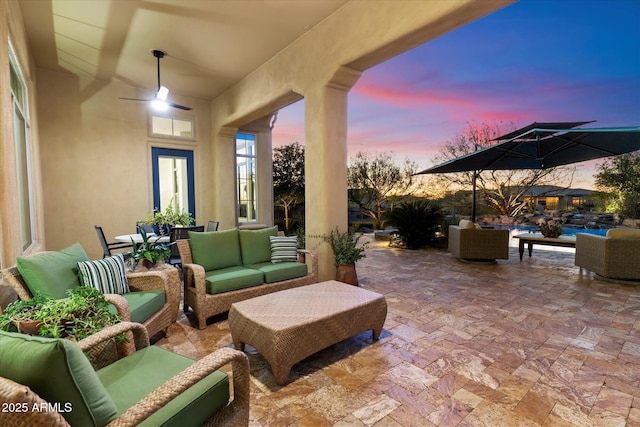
[28, 326]
[347, 274]
[148, 264]
[301, 257]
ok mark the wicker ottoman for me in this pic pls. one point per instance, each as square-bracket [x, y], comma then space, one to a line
[290, 325]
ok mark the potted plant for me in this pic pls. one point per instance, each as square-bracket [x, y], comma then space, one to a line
[301, 243]
[346, 252]
[82, 314]
[150, 251]
[170, 217]
[550, 228]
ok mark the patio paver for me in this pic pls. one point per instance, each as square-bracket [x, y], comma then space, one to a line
[534, 343]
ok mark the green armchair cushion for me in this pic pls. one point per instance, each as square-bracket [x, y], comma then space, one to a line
[52, 274]
[232, 278]
[215, 249]
[143, 304]
[135, 376]
[280, 271]
[58, 371]
[255, 245]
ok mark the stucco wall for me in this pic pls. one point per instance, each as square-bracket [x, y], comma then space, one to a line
[96, 158]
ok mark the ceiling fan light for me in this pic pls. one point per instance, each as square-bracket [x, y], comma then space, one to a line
[159, 105]
[162, 93]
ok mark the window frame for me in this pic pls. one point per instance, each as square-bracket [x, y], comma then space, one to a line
[251, 158]
[23, 153]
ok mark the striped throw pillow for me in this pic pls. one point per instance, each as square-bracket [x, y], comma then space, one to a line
[107, 275]
[283, 249]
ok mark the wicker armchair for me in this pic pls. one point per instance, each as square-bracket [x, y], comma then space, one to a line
[206, 305]
[151, 280]
[235, 412]
[609, 258]
[483, 245]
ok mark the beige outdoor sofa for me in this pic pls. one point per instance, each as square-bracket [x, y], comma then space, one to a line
[470, 243]
[614, 256]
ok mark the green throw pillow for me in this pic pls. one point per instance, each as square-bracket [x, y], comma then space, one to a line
[255, 245]
[214, 250]
[58, 371]
[52, 274]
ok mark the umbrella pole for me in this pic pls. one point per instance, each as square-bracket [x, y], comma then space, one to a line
[473, 198]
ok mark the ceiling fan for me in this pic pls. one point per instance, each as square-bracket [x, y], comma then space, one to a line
[159, 101]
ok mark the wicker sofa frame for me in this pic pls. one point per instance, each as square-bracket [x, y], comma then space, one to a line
[484, 245]
[608, 258]
[147, 281]
[205, 305]
[234, 413]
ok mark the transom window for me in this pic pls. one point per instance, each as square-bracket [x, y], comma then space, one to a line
[171, 127]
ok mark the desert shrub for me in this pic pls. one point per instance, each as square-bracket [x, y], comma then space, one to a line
[416, 221]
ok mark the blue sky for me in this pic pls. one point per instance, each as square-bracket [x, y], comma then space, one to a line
[536, 60]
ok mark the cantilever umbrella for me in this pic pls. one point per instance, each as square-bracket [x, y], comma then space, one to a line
[545, 145]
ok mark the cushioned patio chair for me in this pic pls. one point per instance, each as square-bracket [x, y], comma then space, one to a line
[615, 256]
[48, 381]
[148, 298]
[472, 244]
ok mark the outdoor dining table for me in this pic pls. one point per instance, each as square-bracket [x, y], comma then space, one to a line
[137, 238]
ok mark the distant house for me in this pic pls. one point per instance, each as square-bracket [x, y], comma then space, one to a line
[552, 197]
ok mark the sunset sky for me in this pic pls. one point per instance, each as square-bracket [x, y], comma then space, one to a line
[536, 60]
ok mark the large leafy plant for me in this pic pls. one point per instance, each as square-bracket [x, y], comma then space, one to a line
[345, 246]
[150, 250]
[416, 221]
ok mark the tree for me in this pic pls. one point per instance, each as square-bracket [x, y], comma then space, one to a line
[373, 181]
[288, 178]
[501, 190]
[620, 175]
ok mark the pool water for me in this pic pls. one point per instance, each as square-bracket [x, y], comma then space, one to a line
[569, 231]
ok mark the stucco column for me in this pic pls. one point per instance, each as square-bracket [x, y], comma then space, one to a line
[326, 164]
[264, 172]
[224, 178]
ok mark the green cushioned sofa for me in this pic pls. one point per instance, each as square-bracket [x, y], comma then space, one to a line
[52, 273]
[47, 381]
[223, 267]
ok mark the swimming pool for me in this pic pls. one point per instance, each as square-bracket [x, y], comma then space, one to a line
[570, 231]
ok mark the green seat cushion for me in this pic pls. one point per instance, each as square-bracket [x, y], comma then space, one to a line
[58, 371]
[255, 245]
[232, 278]
[133, 377]
[280, 271]
[143, 304]
[52, 274]
[215, 249]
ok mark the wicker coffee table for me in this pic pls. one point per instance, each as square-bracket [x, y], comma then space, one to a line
[290, 325]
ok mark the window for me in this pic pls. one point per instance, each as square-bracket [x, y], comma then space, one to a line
[173, 179]
[23, 150]
[246, 177]
[171, 127]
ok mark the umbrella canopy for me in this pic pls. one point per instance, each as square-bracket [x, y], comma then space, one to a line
[539, 147]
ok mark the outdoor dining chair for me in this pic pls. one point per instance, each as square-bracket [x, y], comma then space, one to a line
[178, 233]
[212, 226]
[108, 247]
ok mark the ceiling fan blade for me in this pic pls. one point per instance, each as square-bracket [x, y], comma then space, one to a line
[181, 107]
[135, 99]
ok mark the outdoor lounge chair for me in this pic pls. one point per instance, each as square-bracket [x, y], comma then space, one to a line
[148, 289]
[472, 244]
[614, 256]
[49, 381]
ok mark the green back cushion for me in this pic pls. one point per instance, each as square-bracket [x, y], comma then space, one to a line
[135, 376]
[215, 249]
[58, 371]
[255, 245]
[52, 274]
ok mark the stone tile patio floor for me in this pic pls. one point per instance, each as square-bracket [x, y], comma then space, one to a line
[531, 343]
